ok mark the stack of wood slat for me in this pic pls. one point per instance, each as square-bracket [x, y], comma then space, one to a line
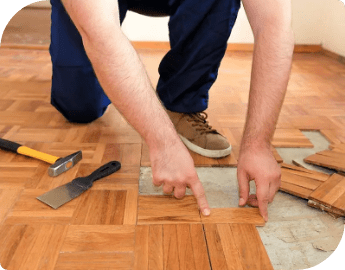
[332, 159]
[323, 191]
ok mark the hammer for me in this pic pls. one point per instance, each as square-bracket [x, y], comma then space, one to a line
[59, 165]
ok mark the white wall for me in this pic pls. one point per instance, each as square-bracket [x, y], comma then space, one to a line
[305, 19]
[314, 22]
[333, 24]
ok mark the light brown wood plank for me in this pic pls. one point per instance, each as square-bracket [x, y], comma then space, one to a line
[330, 192]
[99, 207]
[141, 251]
[95, 261]
[32, 247]
[295, 190]
[8, 198]
[298, 170]
[250, 247]
[103, 238]
[306, 182]
[215, 248]
[167, 209]
[231, 253]
[200, 253]
[234, 215]
[29, 210]
[330, 159]
[170, 248]
[185, 247]
[290, 138]
[155, 248]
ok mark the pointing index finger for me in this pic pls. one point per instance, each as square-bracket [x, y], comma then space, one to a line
[200, 196]
[262, 194]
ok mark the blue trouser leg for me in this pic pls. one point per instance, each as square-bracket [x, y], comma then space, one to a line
[199, 31]
[75, 92]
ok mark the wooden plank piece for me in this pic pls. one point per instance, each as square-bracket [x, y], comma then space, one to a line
[330, 159]
[199, 247]
[215, 248]
[234, 215]
[295, 190]
[185, 247]
[330, 192]
[170, 248]
[167, 209]
[155, 246]
[141, 254]
[250, 247]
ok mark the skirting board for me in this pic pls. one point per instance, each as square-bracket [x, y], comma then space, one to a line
[164, 45]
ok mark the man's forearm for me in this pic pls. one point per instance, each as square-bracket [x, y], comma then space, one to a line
[270, 73]
[126, 83]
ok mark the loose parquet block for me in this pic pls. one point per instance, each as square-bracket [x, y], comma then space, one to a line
[167, 209]
[331, 193]
[236, 246]
[299, 181]
[327, 158]
[170, 246]
[290, 138]
[234, 215]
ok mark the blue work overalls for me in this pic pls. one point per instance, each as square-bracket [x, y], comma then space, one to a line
[198, 32]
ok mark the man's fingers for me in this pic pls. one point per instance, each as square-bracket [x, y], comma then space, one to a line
[274, 187]
[200, 196]
[243, 185]
[179, 192]
[157, 183]
[252, 200]
[262, 194]
[167, 189]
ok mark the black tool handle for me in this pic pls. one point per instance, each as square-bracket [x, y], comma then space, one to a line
[9, 146]
[105, 170]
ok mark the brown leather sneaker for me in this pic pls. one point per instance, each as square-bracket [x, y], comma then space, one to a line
[198, 135]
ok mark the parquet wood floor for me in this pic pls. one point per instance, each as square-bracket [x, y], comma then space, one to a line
[111, 226]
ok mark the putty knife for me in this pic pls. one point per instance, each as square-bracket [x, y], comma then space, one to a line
[63, 194]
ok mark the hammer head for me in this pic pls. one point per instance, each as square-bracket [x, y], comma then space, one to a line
[64, 164]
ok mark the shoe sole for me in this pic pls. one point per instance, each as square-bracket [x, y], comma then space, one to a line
[206, 152]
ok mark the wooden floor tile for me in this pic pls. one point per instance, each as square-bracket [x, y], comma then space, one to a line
[299, 181]
[100, 238]
[8, 198]
[167, 209]
[291, 138]
[29, 210]
[31, 246]
[95, 261]
[171, 246]
[331, 193]
[330, 159]
[236, 246]
[234, 215]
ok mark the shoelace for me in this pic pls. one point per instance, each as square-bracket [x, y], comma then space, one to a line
[200, 122]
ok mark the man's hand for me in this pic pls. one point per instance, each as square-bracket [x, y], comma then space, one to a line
[258, 164]
[173, 167]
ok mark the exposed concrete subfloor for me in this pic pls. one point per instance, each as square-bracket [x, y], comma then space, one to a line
[296, 236]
